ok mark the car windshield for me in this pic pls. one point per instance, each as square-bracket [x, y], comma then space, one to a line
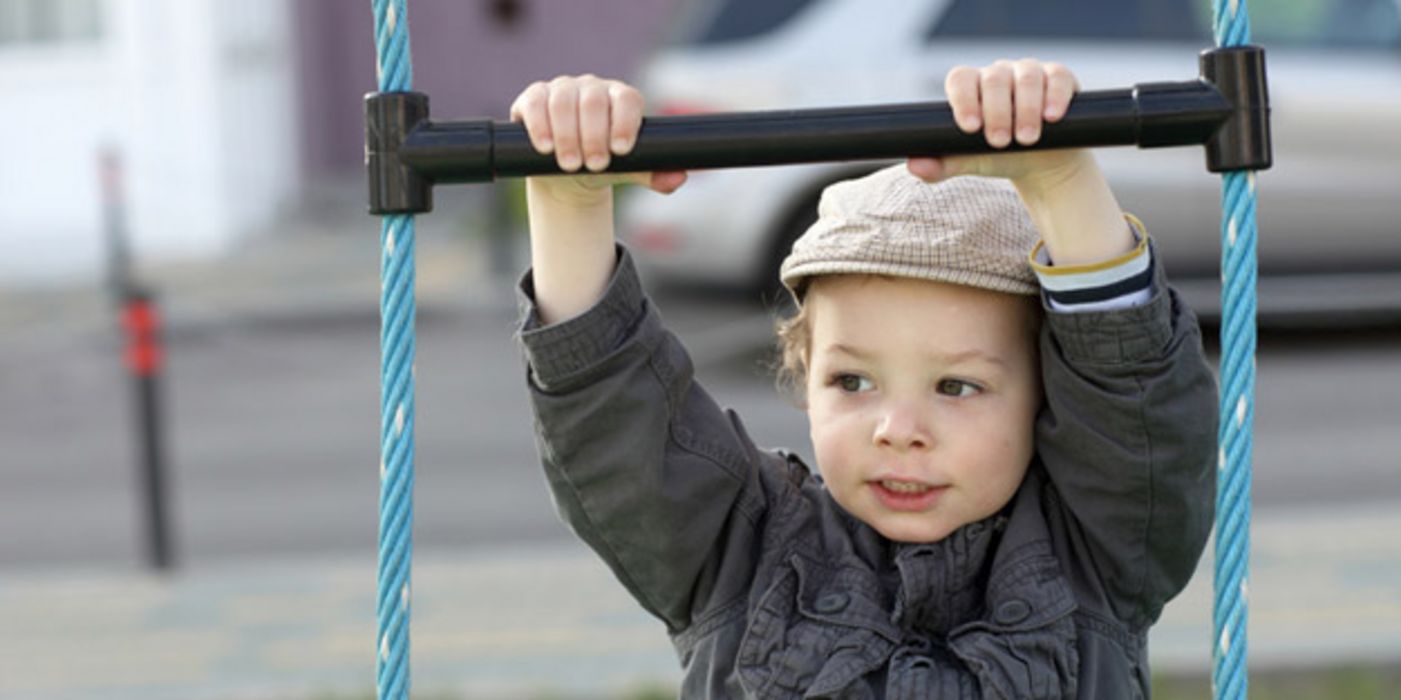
[734, 20]
[1331, 23]
[1085, 19]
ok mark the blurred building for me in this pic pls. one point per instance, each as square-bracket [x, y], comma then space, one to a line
[231, 115]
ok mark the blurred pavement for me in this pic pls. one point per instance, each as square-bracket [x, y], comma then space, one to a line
[548, 620]
[520, 621]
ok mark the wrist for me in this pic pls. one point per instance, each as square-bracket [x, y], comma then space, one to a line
[1075, 211]
[562, 191]
[1058, 173]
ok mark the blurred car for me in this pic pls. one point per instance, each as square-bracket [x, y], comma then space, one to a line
[1330, 208]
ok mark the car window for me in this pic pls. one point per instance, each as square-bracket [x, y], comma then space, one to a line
[1325, 23]
[733, 20]
[1070, 19]
[1330, 23]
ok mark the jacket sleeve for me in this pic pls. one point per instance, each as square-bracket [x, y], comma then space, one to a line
[641, 462]
[1128, 437]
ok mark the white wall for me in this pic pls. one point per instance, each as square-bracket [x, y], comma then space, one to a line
[52, 119]
[197, 95]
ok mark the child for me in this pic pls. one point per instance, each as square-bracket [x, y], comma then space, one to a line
[992, 519]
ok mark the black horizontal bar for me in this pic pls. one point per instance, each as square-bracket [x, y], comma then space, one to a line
[1227, 109]
[1149, 115]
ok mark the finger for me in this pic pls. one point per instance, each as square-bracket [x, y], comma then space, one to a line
[564, 122]
[627, 116]
[995, 93]
[667, 181]
[1061, 85]
[594, 118]
[530, 110]
[927, 169]
[663, 181]
[1029, 83]
[961, 89]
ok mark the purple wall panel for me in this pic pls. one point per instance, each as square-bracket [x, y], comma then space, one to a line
[467, 61]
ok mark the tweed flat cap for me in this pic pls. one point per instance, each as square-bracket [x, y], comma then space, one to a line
[967, 230]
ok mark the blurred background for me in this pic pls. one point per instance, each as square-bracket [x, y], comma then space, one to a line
[190, 288]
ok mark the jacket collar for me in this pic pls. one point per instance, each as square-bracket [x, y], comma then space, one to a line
[941, 584]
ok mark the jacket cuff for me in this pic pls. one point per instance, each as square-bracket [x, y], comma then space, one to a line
[1115, 336]
[557, 351]
[1115, 283]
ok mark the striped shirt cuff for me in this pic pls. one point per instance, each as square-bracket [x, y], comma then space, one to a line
[1118, 283]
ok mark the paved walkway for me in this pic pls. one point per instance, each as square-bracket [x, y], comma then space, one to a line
[550, 621]
[1326, 586]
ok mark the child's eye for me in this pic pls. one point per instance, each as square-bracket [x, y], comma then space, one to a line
[957, 387]
[850, 383]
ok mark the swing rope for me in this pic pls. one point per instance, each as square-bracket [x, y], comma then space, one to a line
[395, 74]
[397, 309]
[1229, 679]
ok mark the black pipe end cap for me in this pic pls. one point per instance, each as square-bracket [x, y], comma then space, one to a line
[1243, 141]
[395, 188]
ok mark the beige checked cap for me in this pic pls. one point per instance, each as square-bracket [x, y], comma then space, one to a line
[965, 230]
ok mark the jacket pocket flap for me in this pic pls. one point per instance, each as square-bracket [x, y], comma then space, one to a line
[1027, 595]
[845, 596]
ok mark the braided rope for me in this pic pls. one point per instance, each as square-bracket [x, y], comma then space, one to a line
[1238, 272]
[396, 309]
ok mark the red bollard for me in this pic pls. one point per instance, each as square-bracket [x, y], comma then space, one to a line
[144, 357]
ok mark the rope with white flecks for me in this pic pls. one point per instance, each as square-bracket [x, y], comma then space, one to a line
[1229, 678]
[396, 309]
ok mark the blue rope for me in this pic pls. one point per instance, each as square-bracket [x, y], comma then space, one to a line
[396, 310]
[1229, 678]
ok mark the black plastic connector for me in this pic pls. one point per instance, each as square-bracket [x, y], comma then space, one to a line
[1243, 141]
[395, 186]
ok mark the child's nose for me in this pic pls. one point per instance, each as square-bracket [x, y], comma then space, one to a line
[903, 426]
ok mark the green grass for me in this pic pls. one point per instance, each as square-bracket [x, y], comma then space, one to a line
[1359, 683]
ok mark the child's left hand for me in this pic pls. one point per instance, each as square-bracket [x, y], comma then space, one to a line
[1006, 100]
[1063, 189]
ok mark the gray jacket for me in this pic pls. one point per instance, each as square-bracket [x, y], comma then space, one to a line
[770, 590]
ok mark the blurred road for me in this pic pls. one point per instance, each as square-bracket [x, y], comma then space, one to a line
[272, 427]
[272, 407]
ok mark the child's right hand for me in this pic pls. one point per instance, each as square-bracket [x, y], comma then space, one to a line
[584, 121]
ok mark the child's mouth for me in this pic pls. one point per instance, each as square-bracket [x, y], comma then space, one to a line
[906, 495]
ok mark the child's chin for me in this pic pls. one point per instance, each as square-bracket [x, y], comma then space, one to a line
[924, 533]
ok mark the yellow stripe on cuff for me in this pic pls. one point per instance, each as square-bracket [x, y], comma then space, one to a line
[1141, 249]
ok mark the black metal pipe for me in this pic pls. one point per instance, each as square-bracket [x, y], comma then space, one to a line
[1159, 114]
[407, 153]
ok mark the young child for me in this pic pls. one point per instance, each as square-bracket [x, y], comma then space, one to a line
[1015, 445]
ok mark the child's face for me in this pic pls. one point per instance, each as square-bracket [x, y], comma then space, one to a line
[921, 397]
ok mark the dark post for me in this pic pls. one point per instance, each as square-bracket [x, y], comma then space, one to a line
[143, 357]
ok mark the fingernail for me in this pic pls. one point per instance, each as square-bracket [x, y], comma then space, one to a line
[597, 163]
[546, 145]
[569, 163]
[999, 138]
[620, 146]
[1027, 135]
[971, 124]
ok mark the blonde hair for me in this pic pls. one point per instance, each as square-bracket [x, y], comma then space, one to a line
[794, 337]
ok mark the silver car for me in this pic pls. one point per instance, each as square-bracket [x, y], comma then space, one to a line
[1329, 211]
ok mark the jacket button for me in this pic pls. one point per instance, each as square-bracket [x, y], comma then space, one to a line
[1012, 611]
[832, 603]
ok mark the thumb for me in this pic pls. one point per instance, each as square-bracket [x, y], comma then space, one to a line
[927, 169]
[933, 170]
[666, 181]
